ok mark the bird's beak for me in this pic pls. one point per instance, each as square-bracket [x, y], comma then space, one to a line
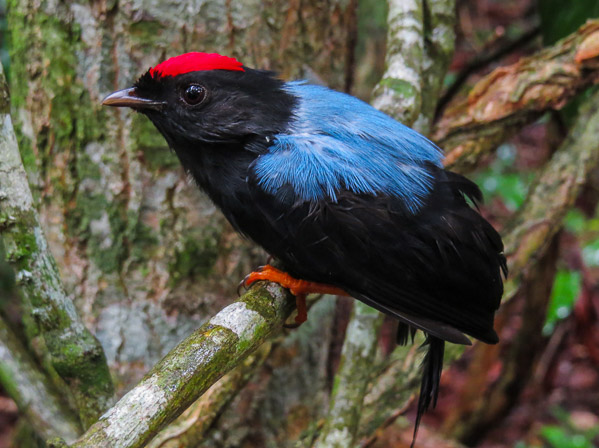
[129, 98]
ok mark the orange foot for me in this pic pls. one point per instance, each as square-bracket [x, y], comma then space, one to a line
[299, 288]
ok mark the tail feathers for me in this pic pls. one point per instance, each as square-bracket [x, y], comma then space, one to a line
[404, 333]
[432, 366]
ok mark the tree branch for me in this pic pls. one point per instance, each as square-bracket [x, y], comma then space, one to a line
[399, 93]
[352, 378]
[510, 97]
[27, 386]
[51, 319]
[552, 194]
[192, 367]
[439, 40]
[189, 429]
[481, 60]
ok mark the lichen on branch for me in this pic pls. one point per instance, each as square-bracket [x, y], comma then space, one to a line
[191, 368]
[25, 384]
[63, 343]
[399, 93]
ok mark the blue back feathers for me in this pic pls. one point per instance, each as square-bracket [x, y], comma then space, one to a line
[336, 141]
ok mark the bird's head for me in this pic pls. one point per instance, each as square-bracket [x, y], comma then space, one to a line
[206, 98]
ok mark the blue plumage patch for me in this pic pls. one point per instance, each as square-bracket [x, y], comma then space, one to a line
[336, 142]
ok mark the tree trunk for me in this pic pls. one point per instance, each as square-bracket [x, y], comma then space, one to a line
[143, 254]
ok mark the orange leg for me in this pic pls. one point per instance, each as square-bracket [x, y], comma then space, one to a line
[299, 288]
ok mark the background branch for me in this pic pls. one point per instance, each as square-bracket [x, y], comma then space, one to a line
[510, 97]
[26, 385]
[56, 332]
[481, 60]
[439, 41]
[352, 377]
[399, 92]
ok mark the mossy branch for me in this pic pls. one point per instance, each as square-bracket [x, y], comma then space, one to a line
[52, 323]
[26, 385]
[191, 426]
[510, 97]
[192, 367]
[552, 194]
[399, 93]
[439, 43]
[352, 378]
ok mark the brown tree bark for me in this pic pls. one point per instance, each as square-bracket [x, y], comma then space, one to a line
[143, 254]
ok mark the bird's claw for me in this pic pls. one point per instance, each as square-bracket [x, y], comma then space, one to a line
[248, 280]
[242, 284]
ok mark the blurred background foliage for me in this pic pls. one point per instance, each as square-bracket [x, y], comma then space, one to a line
[565, 415]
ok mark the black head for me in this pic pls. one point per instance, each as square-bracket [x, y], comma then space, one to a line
[200, 99]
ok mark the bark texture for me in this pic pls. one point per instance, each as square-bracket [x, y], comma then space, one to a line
[190, 369]
[512, 96]
[143, 254]
[70, 353]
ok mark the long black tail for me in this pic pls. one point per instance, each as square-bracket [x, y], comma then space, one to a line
[432, 365]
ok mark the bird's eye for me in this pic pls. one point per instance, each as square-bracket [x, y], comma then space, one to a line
[193, 94]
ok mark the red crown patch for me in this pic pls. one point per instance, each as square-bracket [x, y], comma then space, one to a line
[195, 61]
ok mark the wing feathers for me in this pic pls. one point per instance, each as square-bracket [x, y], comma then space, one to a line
[437, 270]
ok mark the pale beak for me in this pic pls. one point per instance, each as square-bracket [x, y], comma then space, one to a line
[129, 98]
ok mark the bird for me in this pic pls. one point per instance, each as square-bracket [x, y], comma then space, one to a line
[348, 200]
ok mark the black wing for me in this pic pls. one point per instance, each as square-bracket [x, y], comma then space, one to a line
[438, 270]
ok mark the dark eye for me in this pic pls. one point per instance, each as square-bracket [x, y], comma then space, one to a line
[193, 94]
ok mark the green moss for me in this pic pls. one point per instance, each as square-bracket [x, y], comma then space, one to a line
[27, 154]
[218, 344]
[145, 32]
[7, 220]
[7, 276]
[260, 300]
[88, 207]
[144, 242]
[24, 245]
[82, 360]
[197, 256]
[19, 238]
[152, 145]
[400, 86]
[49, 73]
[4, 97]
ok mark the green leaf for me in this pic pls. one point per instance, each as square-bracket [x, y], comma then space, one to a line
[559, 437]
[575, 221]
[559, 18]
[566, 289]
